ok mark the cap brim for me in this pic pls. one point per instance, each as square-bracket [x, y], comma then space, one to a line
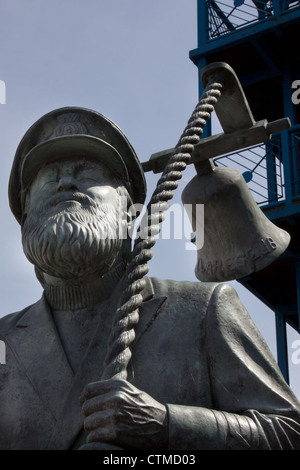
[68, 147]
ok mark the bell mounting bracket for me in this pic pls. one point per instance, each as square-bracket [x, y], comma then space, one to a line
[240, 130]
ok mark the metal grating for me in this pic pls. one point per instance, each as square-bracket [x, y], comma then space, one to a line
[262, 169]
[295, 152]
[226, 16]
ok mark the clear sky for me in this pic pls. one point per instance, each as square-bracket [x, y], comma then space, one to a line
[126, 59]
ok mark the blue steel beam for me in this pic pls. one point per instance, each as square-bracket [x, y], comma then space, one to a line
[281, 340]
[206, 45]
[297, 266]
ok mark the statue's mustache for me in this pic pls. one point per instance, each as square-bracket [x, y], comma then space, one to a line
[83, 199]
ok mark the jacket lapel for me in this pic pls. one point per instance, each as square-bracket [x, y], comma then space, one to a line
[37, 348]
[70, 425]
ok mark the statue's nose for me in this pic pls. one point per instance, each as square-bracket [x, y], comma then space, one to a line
[66, 183]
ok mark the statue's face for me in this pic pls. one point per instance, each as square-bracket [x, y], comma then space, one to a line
[74, 215]
[72, 184]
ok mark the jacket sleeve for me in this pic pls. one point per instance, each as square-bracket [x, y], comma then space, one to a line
[253, 407]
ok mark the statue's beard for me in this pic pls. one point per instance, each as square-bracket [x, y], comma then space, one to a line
[78, 242]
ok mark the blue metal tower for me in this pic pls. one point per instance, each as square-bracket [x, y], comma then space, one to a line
[259, 40]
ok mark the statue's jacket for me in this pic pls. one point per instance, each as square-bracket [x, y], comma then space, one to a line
[196, 350]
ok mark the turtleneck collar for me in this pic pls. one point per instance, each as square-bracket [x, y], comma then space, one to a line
[70, 297]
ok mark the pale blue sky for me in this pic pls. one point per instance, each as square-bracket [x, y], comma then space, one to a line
[126, 59]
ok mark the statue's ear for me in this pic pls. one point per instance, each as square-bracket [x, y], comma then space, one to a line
[24, 217]
[25, 205]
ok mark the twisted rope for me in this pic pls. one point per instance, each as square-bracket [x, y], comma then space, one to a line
[127, 315]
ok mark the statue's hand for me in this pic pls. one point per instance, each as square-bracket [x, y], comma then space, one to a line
[116, 412]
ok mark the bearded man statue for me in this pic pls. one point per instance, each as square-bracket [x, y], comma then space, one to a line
[200, 375]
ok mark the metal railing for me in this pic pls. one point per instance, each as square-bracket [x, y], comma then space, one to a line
[225, 16]
[264, 168]
[295, 157]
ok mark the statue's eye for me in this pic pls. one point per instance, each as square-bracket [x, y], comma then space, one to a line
[50, 182]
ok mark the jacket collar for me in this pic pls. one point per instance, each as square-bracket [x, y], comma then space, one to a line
[38, 350]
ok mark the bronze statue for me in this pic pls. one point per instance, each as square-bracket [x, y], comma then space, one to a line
[199, 376]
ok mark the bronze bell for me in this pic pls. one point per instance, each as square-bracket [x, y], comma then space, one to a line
[238, 238]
